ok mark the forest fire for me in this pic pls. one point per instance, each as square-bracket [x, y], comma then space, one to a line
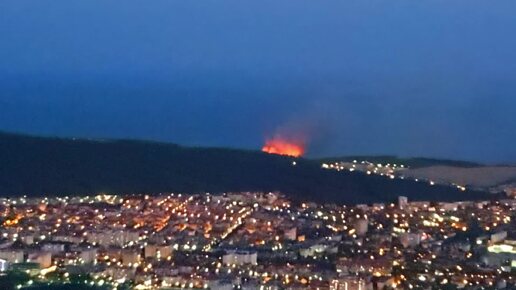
[281, 146]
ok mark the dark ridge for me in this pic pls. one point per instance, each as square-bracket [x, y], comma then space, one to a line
[38, 166]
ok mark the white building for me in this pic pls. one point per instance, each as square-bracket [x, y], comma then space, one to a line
[44, 259]
[3, 265]
[410, 240]
[27, 239]
[130, 258]
[290, 234]
[402, 202]
[348, 283]
[240, 258]
[12, 256]
[158, 251]
[54, 248]
[498, 237]
[113, 238]
[361, 227]
[88, 255]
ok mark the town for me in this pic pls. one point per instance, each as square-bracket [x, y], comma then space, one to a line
[254, 240]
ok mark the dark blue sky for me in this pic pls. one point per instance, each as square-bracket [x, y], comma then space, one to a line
[415, 78]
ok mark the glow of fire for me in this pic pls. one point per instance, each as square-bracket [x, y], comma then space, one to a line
[281, 146]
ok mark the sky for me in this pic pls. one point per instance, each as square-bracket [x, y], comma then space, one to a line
[411, 78]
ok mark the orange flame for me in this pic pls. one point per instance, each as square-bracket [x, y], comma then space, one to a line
[281, 146]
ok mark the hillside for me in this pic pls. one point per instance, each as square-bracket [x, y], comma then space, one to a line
[492, 178]
[413, 162]
[481, 177]
[38, 165]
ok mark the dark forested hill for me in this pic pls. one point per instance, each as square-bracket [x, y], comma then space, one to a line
[37, 165]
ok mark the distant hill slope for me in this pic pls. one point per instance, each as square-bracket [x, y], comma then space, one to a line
[482, 177]
[37, 165]
[415, 162]
[444, 171]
